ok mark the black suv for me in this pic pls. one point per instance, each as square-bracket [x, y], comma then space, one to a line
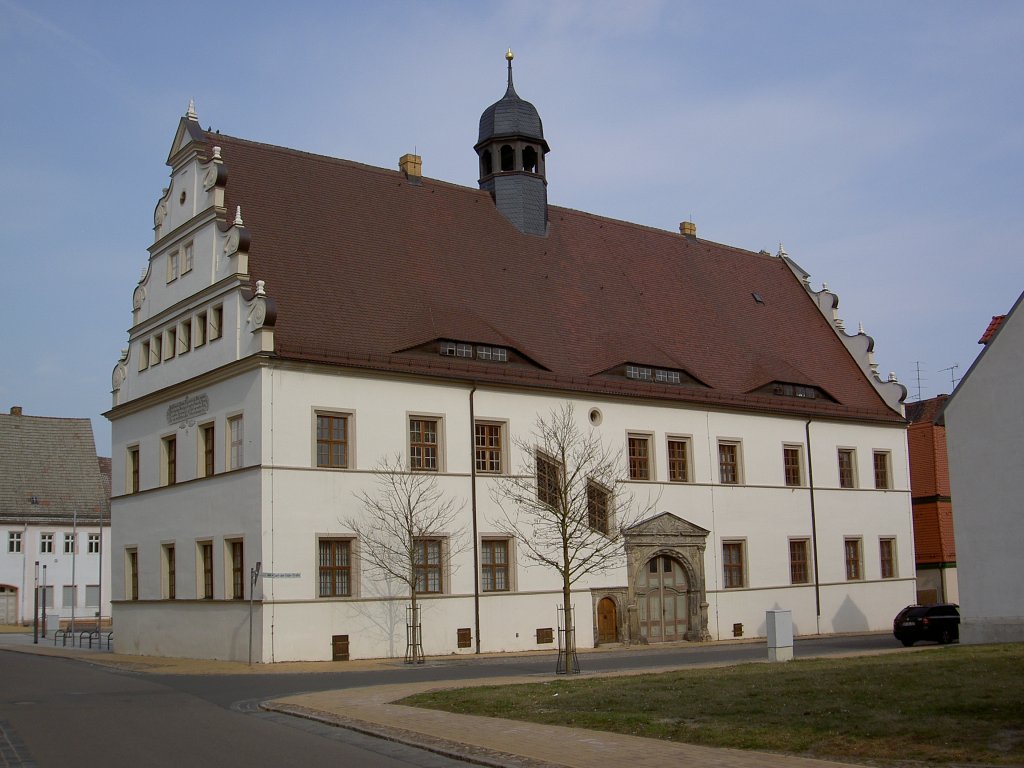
[940, 623]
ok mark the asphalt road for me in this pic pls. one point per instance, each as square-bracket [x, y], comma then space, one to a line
[61, 712]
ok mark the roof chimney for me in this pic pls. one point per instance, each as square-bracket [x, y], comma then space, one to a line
[688, 228]
[411, 166]
[15, 410]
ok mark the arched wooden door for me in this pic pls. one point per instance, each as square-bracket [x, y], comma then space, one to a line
[661, 600]
[607, 623]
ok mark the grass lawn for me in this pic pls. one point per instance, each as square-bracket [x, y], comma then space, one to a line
[942, 705]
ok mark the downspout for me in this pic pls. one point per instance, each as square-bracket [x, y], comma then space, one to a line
[472, 493]
[814, 526]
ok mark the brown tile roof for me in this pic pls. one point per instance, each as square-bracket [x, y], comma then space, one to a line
[925, 410]
[49, 469]
[364, 265]
[993, 326]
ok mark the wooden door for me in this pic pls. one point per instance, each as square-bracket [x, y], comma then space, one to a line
[661, 600]
[607, 626]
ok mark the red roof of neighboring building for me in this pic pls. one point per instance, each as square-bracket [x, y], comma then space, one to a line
[365, 265]
[925, 410]
[993, 326]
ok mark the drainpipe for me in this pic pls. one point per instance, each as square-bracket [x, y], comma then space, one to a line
[814, 525]
[472, 493]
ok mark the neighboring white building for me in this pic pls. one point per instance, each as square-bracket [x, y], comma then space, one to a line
[301, 317]
[984, 420]
[54, 519]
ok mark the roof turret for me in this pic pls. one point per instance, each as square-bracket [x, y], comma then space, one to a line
[511, 116]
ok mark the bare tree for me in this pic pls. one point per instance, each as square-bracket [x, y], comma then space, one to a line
[566, 505]
[409, 533]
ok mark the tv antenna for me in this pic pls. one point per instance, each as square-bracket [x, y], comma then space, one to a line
[952, 377]
[917, 368]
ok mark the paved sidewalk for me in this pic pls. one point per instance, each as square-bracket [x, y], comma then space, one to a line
[511, 743]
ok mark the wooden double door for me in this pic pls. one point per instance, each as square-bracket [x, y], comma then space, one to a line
[661, 593]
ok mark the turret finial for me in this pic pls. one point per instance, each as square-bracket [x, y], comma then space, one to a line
[191, 113]
[508, 57]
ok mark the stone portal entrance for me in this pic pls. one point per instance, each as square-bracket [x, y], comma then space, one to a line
[666, 594]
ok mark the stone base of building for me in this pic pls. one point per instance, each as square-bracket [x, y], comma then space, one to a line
[1008, 629]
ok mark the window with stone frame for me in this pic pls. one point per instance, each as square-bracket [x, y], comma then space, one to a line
[887, 557]
[598, 507]
[237, 554]
[791, 465]
[639, 457]
[170, 456]
[488, 447]
[132, 566]
[847, 458]
[799, 561]
[679, 460]
[14, 542]
[728, 462]
[335, 567]
[332, 440]
[883, 476]
[170, 572]
[428, 565]
[207, 449]
[494, 565]
[424, 449]
[549, 479]
[206, 569]
[733, 565]
[854, 561]
[133, 469]
[236, 443]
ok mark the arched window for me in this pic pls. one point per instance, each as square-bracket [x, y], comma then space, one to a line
[486, 163]
[530, 160]
[508, 158]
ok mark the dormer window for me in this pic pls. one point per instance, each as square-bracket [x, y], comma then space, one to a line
[482, 352]
[453, 349]
[795, 390]
[497, 354]
[667, 377]
[639, 373]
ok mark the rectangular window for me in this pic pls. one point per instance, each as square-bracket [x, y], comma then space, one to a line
[887, 557]
[172, 266]
[497, 354]
[133, 469]
[598, 502]
[639, 372]
[170, 572]
[335, 568]
[206, 563]
[155, 346]
[883, 480]
[69, 543]
[487, 447]
[667, 377]
[494, 565]
[47, 596]
[170, 343]
[237, 570]
[69, 596]
[854, 567]
[14, 542]
[94, 543]
[639, 457]
[427, 565]
[216, 322]
[332, 441]
[92, 595]
[170, 446]
[732, 564]
[847, 468]
[791, 464]
[187, 257]
[207, 449]
[728, 463]
[133, 574]
[199, 337]
[46, 543]
[549, 477]
[423, 445]
[143, 355]
[235, 447]
[799, 571]
[678, 460]
[184, 337]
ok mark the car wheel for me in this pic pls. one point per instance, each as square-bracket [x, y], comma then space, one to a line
[907, 643]
[946, 637]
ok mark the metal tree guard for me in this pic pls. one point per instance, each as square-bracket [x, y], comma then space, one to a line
[568, 663]
[413, 635]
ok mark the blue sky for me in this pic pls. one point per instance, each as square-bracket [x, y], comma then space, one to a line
[880, 142]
